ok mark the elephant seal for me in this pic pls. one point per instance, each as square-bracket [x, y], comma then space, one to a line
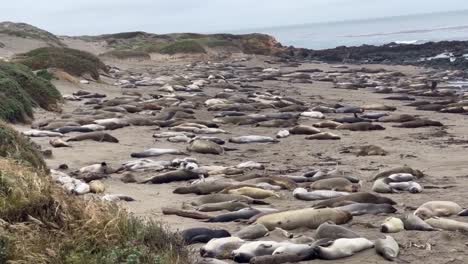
[324, 136]
[59, 143]
[221, 248]
[362, 197]
[283, 134]
[396, 118]
[333, 231]
[392, 225]
[303, 194]
[172, 176]
[68, 129]
[202, 235]
[252, 232]
[205, 147]
[98, 136]
[229, 206]
[309, 217]
[327, 124]
[284, 183]
[387, 248]
[222, 197]
[437, 208]
[255, 193]
[244, 213]
[343, 247]
[254, 249]
[156, 152]
[381, 186]
[41, 133]
[335, 184]
[378, 107]
[401, 177]
[419, 123]
[277, 123]
[405, 169]
[304, 130]
[292, 248]
[367, 208]
[361, 126]
[203, 188]
[253, 139]
[313, 114]
[413, 222]
[411, 186]
[447, 224]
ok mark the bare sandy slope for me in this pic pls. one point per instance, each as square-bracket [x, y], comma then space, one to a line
[443, 160]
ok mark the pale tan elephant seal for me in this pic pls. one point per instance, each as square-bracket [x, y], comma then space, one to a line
[437, 208]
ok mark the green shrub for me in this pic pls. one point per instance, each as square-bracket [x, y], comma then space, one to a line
[45, 74]
[17, 147]
[72, 61]
[183, 46]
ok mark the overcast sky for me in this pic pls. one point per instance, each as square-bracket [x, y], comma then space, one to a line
[79, 17]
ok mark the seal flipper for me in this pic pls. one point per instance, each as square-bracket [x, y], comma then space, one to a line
[255, 201]
[464, 212]
[200, 239]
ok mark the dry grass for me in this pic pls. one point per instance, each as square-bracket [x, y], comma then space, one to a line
[42, 224]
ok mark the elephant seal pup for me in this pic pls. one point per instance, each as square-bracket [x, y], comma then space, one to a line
[205, 147]
[335, 184]
[254, 249]
[437, 208]
[387, 248]
[202, 235]
[367, 208]
[343, 247]
[156, 152]
[309, 217]
[324, 136]
[98, 136]
[292, 248]
[392, 225]
[203, 188]
[332, 231]
[361, 126]
[447, 224]
[283, 134]
[362, 197]
[304, 130]
[253, 139]
[172, 176]
[411, 186]
[252, 232]
[413, 222]
[59, 143]
[255, 193]
[223, 197]
[419, 123]
[405, 169]
[221, 248]
[229, 206]
[381, 186]
[303, 194]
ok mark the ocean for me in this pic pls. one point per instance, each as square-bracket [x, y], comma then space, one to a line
[401, 29]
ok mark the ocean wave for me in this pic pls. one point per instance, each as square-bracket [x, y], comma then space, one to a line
[407, 32]
[407, 42]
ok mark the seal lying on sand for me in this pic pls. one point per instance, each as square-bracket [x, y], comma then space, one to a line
[419, 123]
[332, 231]
[155, 152]
[343, 247]
[387, 248]
[323, 136]
[250, 250]
[58, 143]
[202, 235]
[221, 248]
[203, 188]
[447, 224]
[309, 217]
[228, 206]
[205, 147]
[172, 176]
[413, 222]
[362, 197]
[252, 192]
[367, 208]
[405, 169]
[392, 225]
[437, 208]
[335, 184]
[303, 194]
[253, 139]
[98, 136]
[361, 126]
[252, 232]
[221, 197]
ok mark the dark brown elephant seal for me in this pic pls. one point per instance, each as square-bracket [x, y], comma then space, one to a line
[396, 118]
[304, 130]
[419, 123]
[98, 136]
[172, 176]
[362, 197]
[224, 197]
[360, 126]
[203, 188]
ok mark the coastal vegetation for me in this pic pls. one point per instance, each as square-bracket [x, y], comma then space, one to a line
[72, 61]
[23, 30]
[21, 90]
[40, 223]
